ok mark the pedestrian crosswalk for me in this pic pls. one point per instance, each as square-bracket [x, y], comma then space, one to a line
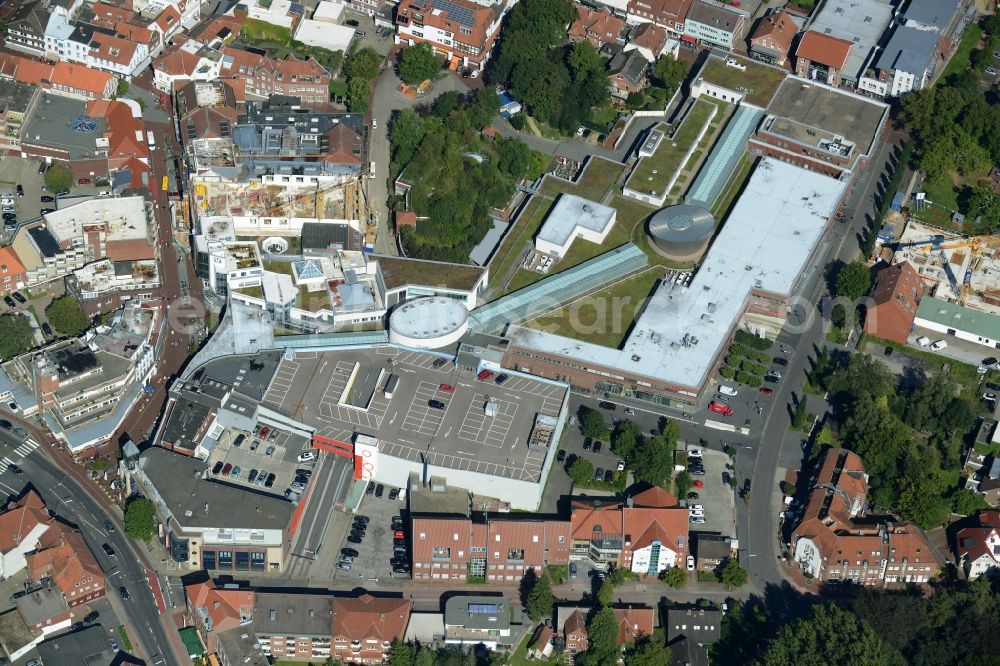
[20, 453]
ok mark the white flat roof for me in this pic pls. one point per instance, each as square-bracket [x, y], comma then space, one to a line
[570, 213]
[328, 11]
[428, 317]
[764, 244]
[325, 35]
[125, 218]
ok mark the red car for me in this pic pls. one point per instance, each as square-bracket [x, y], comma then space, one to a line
[83, 181]
[398, 534]
[766, 391]
[720, 408]
[227, 468]
[485, 375]
[263, 432]
[447, 388]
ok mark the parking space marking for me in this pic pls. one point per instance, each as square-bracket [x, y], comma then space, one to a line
[420, 417]
[496, 427]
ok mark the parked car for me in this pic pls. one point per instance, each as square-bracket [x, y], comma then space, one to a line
[20, 190]
[226, 469]
[106, 547]
[46, 211]
[14, 469]
[46, 329]
[780, 360]
[108, 525]
[435, 404]
[252, 476]
[597, 446]
[690, 562]
[217, 468]
[123, 593]
[370, 490]
[561, 456]
[394, 493]
[235, 474]
[773, 376]
[270, 480]
[346, 566]
[599, 474]
[239, 440]
[610, 406]
[694, 453]
[766, 391]
[485, 375]
[587, 443]
[379, 490]
[46, 198]
[621, 465]
[349, 551]
[501, 378]
[306, 456]
[438, 362]
[447, 388]
[692, 496]
[353, 539]
[728, 390]
[608, 475]
[9, 301]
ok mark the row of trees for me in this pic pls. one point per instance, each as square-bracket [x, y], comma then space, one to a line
[457, 175]
[360, 71]
[909, 436]
[876, 628]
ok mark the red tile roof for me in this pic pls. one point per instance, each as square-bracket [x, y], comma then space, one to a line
[367, 617]
[600, 24]
[129, 250]
[20, 518]
[33, 72]
[824, 49]
[777, 27]
[634, 623]
[79, 77]
[68, 562]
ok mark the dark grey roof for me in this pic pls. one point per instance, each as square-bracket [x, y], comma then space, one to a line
[42, 605]
[477, 612]
[44, 241]
[719, 18]
[688, 653]
[72, 360]
[326, 236]
[909, 50]
[631, 65]
[184, 421]
[701, 625]
[29, 15]
[711, 546]
[178, 480]
[85, 33]
[87, 647]
[250, 375]
[293, 614]
[15, 95]
[935, 13]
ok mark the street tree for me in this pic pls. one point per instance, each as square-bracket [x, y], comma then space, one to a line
[15, 335]
[675, 577]
[853, 280]
[732, 574]
[418, 63]
[830, 636]
[683, 483]
[139, 519]
[405, 134]
[540, 600]
[592, 423]
[602, 634]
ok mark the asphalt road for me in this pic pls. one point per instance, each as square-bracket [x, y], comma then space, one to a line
[65, 498]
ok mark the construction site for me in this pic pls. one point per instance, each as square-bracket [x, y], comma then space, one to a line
[958, 269]
[268, 208]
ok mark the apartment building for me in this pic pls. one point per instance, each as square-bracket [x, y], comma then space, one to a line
[896, 297]
[496, 549]
[53, 554]
[668, 14]
[597, 26]
[365, 627]
[836, 541]
[646, 534]
[822, 57]
[457, 29]
[263, 76]
[12, 275]
[294, 626]
[15, 100]
[714, 25]
[26, 28]
[771, 41]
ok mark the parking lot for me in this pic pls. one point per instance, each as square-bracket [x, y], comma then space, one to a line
[715, 497]
[480, 426]
[258, 457]
[375, 549]
[16, 171]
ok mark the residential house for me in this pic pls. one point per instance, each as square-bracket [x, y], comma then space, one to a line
[365, 627]
[690, 631]
[635, 623]
[295, 626]
[907, 63]
[215, 610]
[710, 550]
[668, 14]
[597, 26]
[26, 28]
[894, 300]
[265, 76]
[986, 481]
[651, 41]
[458, 29]
[861, 23]
[836, 541]
[540, 646]
[714, 25]
[978, 548]
[188, 61]
[12, 275]
[478, 619]
[81, 81]
[646, 534]
[627, 74]
[771, 41]
[575, 632]
[822, 57]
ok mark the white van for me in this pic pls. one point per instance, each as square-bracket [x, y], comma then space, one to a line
[923, 341]
[939, 345]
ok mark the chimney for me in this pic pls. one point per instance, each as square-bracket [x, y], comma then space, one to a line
[629, 502]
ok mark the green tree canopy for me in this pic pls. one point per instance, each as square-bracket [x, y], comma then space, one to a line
[966, 502]
[58, 178]
[625, 438]
[854, 280]
[360, 70]
[592, 423]
[649, 653]
[540, 602]
[732, 574]
[669, 72]
[66, 316]
[675, 577]
[581, 471]
[15, 336]
[830, 637]
[405, 134]
[654, 460]
[139, 519]
[418, 63]
[683, 483]
[602, 633]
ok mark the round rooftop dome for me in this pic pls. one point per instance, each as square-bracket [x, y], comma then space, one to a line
[428, 322]
[681, 232]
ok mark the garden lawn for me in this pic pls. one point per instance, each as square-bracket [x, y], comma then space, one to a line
[525, 228]
[599, 175]
[604, 317]
[667, 157]
[960, 60]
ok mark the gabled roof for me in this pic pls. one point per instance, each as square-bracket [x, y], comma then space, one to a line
[222, 608]
[634, 622]
[655, 497]
[779, 27]
[824, 49]
[576, 623]
[10, 264]
[66, 559]
[20, 518]
[649, 36]
[598, 22]
[79, 77]
[630, 65]
[367, 617]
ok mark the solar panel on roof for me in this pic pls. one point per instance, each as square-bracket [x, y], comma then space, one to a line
[483, 609]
